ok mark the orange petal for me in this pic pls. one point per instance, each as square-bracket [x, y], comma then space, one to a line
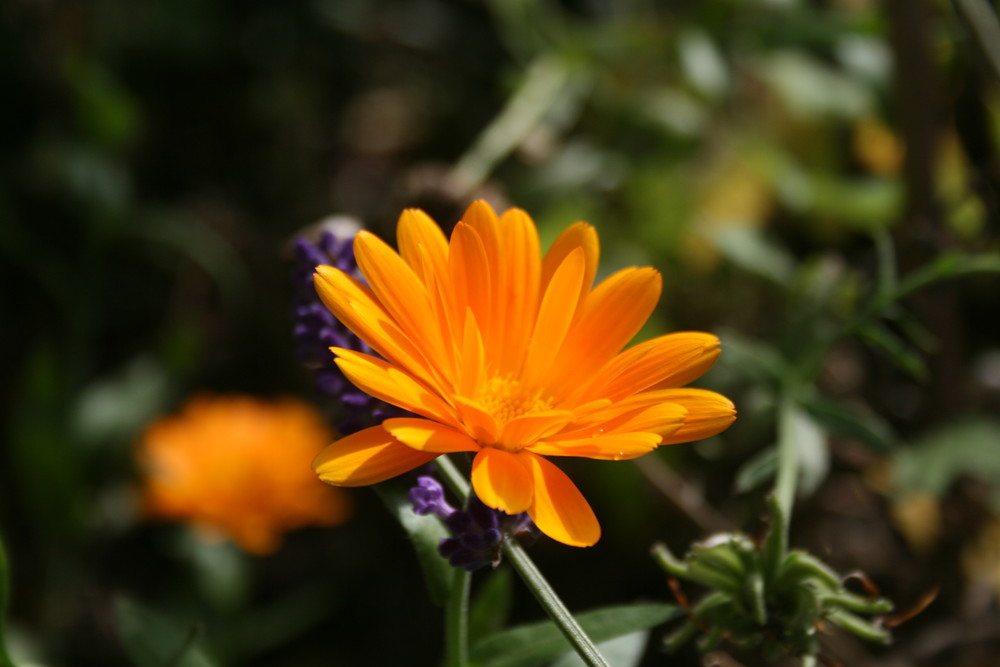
[500, 481]
[367, 457]
[610, 316]
[478, 422]
[480, 217]
[554, 317]
[354, 304]
[429, 436]
[614, 447]
[526, 429]
[648, 411]
[470, 371]
[387, 383]
[577, 235]
[708, 414]
[469, 278]
[522, 264]
[557, 507]
[667, 361]
[401, 293]
[422, 245]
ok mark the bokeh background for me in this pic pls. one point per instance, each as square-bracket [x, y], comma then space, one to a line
[768, 156]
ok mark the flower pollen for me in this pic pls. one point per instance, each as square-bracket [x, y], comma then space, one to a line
[506, 399]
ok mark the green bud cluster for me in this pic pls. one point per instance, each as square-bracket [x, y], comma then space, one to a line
[766, 598]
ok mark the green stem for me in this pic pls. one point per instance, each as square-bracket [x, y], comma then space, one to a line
[555, 608]
[457, 619]
[533, 578]
[453, 477]
[788, 459]
[5, 660]
[981, 22]
[545, 81]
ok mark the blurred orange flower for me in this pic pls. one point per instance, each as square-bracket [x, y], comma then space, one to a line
[239, 466]
[513, 356]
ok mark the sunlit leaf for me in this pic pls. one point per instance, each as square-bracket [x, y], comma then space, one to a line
[748, 249]
[932, 464]
[625, 651]
[811, 88]
[115, 408]
[813, 452]
[848, 421]
[538, 643]
[703, 64]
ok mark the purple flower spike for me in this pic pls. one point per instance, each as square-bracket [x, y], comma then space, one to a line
[428, 498]
[315, 330]
[477, 532]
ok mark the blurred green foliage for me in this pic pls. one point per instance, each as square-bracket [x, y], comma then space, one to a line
[774, 158]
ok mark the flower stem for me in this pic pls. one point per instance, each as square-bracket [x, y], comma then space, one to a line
[555, 608]
[5, 660]
[533, 578]
[453, 477]
[788, 460]
[457, 619]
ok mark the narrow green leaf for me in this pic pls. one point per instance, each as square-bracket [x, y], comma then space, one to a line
[899, 351]
[748, 249]
[426, 533]
[152, 639]
[848, 421]
[961, 448]
[757, 471]
[539, 643]
[753, 359]
[5, 660]
[947, 266]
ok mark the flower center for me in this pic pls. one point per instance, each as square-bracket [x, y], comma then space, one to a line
[506, 398]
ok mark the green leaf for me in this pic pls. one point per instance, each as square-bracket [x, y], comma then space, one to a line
[539, 643]
[931, 465]
[748, 249]
[901, 353]
[491, 606]
[625, 651]
[5, 660]
[949, 265]
[752, 359]
[112, 410]
[152, 639]
[848, 421]
[426, 532]
[813, 453]
[758, 470]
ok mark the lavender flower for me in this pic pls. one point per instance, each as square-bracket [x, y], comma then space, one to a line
[315, 330]
[477, 532]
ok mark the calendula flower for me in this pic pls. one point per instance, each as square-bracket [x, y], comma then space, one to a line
[513, 356]
[239, 466]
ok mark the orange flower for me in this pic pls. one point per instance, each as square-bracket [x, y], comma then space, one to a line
[240, 466]
[513, 356]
